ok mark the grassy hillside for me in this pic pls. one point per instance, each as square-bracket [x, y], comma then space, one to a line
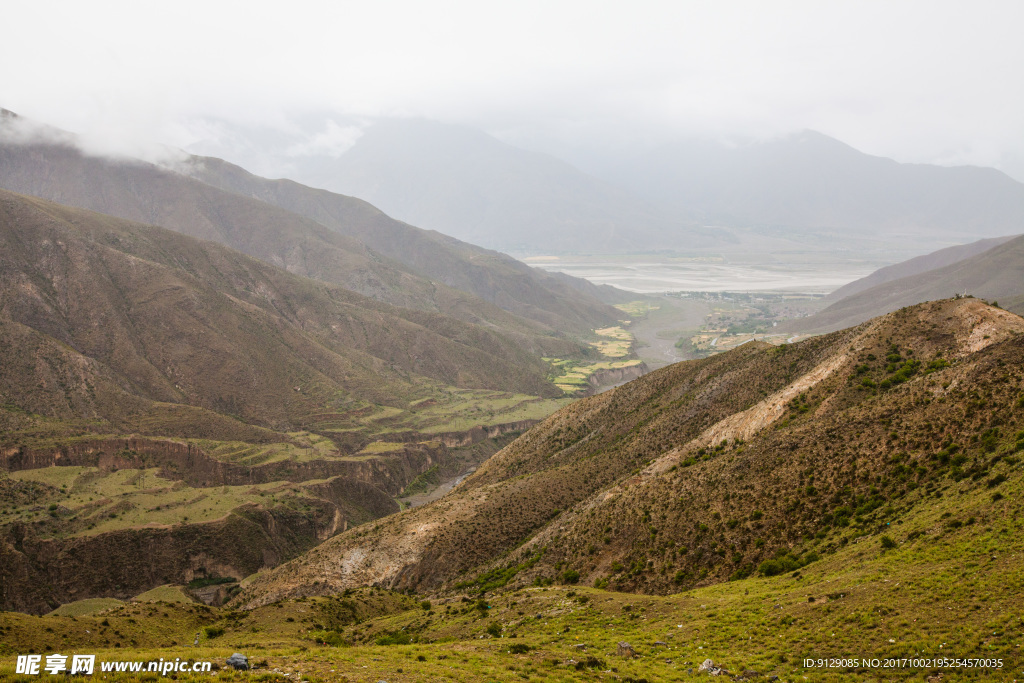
[945, 588]
[888, 499]
[794, 442]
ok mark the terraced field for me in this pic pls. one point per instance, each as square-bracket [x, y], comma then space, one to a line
[616, 344]
[446, 410]
[87, 501]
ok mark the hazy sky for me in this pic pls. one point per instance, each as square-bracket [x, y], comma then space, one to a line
[928, 81]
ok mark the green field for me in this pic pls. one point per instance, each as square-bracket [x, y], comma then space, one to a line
[303, 447]
[637, 309]
[446, 410]
[572, 376]
[87, 501]
[615, 343]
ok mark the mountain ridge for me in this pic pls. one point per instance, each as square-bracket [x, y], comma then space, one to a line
[613, 466]
[491, 275]
[917, 265]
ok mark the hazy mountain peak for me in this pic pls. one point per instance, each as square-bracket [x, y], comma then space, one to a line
[109, 144]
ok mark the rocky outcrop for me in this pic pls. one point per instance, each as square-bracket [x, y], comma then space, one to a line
[482, 432]
[390, 472]
[238, 661]
[614, 376]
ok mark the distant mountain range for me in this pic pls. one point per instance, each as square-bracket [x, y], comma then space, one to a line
[465, 183]
[811, 184]
[990, 269]
[804, 193]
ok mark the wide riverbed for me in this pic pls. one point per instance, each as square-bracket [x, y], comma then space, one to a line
[650, 276]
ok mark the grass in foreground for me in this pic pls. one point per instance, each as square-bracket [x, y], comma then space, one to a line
[925, 587]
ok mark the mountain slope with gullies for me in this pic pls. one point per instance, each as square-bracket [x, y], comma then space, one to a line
[48, 163]
[184, 321]
[557, 301]
[160, 395]
[996, 274]
[759, 459]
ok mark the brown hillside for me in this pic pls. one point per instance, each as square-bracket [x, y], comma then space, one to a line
[706, 469]
[176, 320]
[917, 265]
[490, 275]
[996, 274]
[110, 330]
[53, 168]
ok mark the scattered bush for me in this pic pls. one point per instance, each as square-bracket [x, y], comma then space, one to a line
[331, 638]
[399, 638]
[778, 566]
[590, 663]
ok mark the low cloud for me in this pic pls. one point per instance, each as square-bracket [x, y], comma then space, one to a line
[18, 130]
[104, 142]
[334, 141]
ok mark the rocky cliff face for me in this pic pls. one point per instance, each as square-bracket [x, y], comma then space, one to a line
[390, 472]
[612, 376]
[38, 573]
